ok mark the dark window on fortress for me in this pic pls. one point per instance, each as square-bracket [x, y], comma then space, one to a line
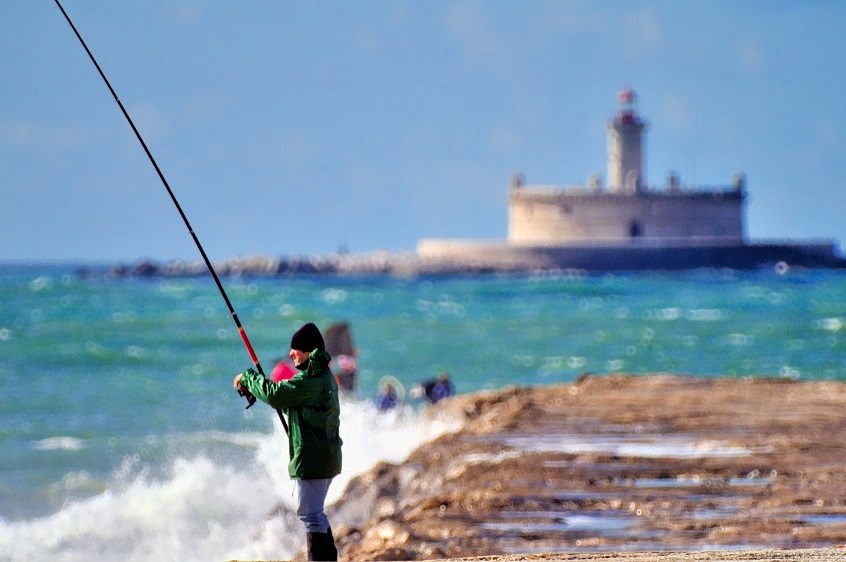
[635, 229]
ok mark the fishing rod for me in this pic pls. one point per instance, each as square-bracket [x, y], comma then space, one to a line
[241, 391]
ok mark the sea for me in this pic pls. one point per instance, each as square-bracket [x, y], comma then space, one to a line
[121, 437]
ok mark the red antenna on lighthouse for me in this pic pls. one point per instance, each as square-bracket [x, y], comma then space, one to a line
[627, 99]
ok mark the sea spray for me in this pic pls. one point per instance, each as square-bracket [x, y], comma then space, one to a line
[204, 508]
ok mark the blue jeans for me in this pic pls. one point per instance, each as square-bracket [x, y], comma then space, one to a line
[311, 495]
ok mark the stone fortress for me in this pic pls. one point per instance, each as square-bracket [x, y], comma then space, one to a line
[627, 224]
[626, 208]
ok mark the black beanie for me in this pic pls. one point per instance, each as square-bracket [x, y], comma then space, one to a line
[307, 339]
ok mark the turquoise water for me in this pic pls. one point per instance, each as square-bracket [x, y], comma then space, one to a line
[121, 436]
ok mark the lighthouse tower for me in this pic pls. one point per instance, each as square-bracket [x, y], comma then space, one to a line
[626, 172]
[627, 224]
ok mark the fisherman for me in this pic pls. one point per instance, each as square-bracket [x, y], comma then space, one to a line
[310, 402]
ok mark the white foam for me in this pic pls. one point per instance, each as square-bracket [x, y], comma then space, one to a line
[59, 443]
[201, 511]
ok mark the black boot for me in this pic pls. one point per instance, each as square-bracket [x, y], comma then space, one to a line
[312, 546]
[321, 547]
[331, 549]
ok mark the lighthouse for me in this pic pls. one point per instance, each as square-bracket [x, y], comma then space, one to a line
[628, 209]
[626, 172]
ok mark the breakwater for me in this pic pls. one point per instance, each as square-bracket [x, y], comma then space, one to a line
[475, 257]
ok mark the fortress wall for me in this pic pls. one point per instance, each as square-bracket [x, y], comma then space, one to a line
[556, 216]
[705, 217]
[560, 219]
[472, 253]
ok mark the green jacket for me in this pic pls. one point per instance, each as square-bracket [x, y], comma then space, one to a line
[309, 401]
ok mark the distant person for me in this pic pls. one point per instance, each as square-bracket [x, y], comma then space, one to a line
[309, 401]
[437, 389]
[442, 389]
[387, 400]
[344, 368]
[339, 344]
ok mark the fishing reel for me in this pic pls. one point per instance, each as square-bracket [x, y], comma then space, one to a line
[242, 391]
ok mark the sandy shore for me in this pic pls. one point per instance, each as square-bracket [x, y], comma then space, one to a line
[794, 555]
[615, 468]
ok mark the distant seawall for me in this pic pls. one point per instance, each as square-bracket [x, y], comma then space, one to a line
[449, 257]
[638, 254]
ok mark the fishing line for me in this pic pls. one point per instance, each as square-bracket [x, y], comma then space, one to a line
[250, 399]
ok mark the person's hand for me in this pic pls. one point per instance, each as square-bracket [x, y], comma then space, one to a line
[237, 382]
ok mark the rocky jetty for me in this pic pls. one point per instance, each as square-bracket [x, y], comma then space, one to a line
[747, 468]
[376, 263]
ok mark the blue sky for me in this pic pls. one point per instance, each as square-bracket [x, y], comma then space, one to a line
[292, 128]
